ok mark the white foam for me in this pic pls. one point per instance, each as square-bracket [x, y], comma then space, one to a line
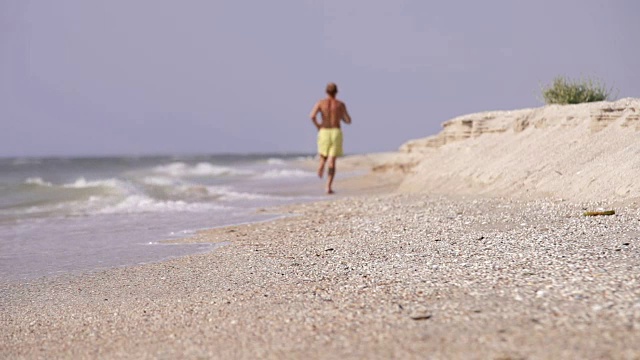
[158, 181]
[182, 233]
[286, 173]
[135, 204]
[226, 194]
[37, 181]
[82, 183]
[201, 169]
[275, 161]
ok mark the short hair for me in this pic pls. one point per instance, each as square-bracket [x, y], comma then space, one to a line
[332, 89]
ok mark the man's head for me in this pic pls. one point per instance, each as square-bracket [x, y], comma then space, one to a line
[332, 89]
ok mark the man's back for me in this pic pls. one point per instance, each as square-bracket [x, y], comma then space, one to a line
[332, 111]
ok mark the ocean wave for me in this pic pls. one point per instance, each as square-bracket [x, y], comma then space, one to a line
[135, 204]
[286, 173]
[36, 195]
[79, 183]
[179, 169]
[37, 181]
[226, 194]
[167, 188]
[35, 210]
[275, 161]
[158, 181]
[82, 183]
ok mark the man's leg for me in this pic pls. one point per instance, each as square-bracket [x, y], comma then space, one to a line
[323, 160]
[331, 171]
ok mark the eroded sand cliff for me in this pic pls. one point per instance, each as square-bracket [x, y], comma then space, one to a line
[581, 152]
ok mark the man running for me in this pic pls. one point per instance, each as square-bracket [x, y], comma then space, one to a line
[332, 111]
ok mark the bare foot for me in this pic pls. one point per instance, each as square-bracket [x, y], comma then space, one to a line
[329, 192]
[320, 171]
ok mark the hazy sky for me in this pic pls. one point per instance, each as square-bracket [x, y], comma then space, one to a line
[89, 77]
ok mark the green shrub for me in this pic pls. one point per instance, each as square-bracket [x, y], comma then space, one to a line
[566, 91]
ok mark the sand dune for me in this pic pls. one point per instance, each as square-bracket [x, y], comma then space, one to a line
[585, 152]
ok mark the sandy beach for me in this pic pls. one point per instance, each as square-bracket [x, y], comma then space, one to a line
[424, 257]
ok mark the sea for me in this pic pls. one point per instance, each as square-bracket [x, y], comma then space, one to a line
[73, 215]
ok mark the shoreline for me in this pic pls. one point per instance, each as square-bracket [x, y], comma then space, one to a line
[376, 276]
[133, 229]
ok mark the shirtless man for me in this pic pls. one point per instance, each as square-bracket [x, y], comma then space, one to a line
[332, 111]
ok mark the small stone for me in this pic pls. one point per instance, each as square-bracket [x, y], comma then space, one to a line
[421, 316]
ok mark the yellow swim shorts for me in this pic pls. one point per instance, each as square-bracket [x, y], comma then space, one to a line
[330, 142]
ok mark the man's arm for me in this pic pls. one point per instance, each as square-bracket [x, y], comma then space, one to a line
[314, 114]
[346, 117]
